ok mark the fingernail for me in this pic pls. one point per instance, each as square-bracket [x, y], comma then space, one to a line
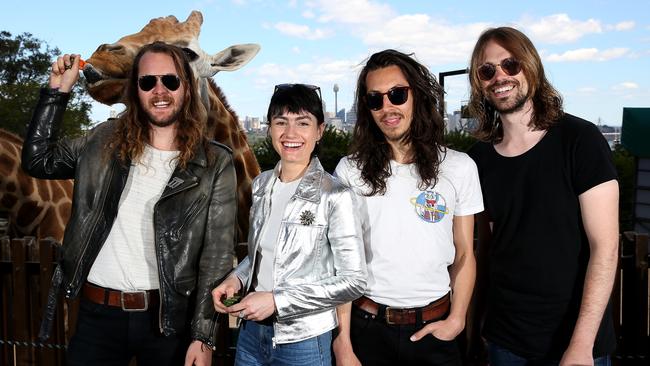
[412, 338]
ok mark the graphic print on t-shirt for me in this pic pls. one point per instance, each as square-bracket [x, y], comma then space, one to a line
[430, 206]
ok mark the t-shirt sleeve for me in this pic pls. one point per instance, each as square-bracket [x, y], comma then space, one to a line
[342, 171]
[469, 198]
[593, 163]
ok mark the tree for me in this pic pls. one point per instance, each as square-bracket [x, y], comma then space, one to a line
[333, 146]
[24, 68]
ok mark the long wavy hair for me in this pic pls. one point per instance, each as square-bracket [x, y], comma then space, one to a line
[370, 149]
[547, 102]
[133, 128]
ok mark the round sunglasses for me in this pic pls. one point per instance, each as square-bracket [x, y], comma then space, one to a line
[148, 82]
[511, 66]
[397, 95]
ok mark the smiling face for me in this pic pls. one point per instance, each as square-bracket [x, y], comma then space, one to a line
[507, 93]
[394, 121]
[294, 136]
[161, 105]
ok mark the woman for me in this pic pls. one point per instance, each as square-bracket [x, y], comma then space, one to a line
[305, 245]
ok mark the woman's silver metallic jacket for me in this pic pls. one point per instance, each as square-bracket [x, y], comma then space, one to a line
[319, 255]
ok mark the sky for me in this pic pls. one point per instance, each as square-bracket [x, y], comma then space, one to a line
[595, 52]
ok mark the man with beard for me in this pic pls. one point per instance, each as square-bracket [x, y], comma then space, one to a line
[549, 235]
[418, 204]
[153, 215]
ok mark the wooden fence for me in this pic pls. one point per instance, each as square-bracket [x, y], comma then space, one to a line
[26, 267]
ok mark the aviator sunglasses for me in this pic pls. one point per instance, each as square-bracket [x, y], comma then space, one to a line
[397, 95]
[511, 66]
[148, 82]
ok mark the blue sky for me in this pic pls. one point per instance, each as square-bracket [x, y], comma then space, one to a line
[596, 52]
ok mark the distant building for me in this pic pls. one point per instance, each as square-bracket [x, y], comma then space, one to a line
[341, 115]
[351, 116]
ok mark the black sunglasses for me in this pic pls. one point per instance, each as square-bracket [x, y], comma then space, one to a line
[397, 95]
[511, 66]
[148, 82]
[315, 88]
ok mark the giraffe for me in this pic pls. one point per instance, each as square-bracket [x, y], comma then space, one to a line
[107, 69]
[36, 207]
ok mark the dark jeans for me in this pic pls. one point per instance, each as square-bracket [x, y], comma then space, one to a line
[500, 356]
[377, 343]
[107, 335]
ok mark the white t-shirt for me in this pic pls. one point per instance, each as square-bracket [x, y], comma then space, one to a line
[408, 232]
[281, 193]
[127, 260]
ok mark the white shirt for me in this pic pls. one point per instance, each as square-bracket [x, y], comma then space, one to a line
[281, 193]
[127, 260]
[408, 232]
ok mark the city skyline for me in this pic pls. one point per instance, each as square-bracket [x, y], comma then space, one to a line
[595, 52]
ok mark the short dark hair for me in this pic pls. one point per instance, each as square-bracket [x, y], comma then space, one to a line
[295, 98]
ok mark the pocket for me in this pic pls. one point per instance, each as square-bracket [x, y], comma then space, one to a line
[185, 286]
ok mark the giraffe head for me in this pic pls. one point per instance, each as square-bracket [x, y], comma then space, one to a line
[107, 69]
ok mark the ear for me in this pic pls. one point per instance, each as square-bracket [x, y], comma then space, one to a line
[233, 57]
[321, 128]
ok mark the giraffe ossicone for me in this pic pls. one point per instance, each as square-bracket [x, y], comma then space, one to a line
[106, 72]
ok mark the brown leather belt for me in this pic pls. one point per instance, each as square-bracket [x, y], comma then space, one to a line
[434, 311]
[126, 300]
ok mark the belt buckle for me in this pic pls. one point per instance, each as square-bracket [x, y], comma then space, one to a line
[388, 317]
[145, 296]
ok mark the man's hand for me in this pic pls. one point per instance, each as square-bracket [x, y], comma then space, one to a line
[255, 306]
[577, 356]
[198, 354]
[65, 72]
[344, 353]
[445, 330]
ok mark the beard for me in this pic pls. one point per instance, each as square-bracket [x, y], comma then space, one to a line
[159, 121]
[515, 104]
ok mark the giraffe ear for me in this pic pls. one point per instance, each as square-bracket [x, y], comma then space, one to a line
[233, 57]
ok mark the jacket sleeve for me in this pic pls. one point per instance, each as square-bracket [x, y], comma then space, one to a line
[43, 155]
[349, 281]
[216, 258]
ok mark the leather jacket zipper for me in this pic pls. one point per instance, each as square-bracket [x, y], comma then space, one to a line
[93, 226]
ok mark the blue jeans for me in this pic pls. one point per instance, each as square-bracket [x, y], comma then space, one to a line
[255, 347]
[500, 356]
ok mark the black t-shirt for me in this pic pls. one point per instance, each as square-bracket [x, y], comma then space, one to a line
[539, 251]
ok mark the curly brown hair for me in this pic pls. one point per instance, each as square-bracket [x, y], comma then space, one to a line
[370, 149]
[133, 127]
[547, 102]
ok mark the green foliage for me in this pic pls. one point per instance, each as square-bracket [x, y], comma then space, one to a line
[625, 166]
[459, 140]
[333, 146]
[24, 67]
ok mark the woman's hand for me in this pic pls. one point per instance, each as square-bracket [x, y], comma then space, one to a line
[228, 288]
[65, 72]
[255, 306]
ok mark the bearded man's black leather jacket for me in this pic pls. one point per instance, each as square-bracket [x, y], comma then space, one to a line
[194, 219]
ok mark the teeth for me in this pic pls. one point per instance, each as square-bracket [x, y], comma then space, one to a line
[503, 89]
[292, 144]
[161, 104]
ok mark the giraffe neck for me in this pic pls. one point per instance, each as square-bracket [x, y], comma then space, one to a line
[35, 206]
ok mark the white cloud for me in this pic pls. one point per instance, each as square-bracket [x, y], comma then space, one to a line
[354, 11]
[308, 14]
[301, 31]
[559, 28]
[626, 85]
[319, 72]
[624, 26]
[295, 49]
[588, 54]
